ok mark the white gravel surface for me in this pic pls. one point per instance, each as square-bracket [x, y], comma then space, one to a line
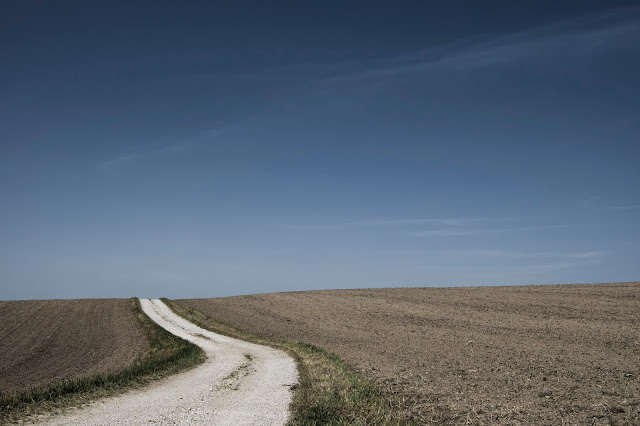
[241, 383]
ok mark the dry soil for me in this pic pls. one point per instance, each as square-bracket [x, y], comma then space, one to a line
[557, 354]
[240, 384]
[48, 340]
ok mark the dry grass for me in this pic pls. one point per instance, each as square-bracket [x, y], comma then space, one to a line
[44, 341]
[479, 355]
[167, 354]
[328, 392]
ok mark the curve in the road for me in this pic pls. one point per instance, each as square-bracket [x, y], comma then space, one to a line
[240, 383]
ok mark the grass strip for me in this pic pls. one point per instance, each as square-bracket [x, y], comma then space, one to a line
[167, 354]
[329, 392]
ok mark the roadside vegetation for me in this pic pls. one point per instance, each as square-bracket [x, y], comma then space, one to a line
[548, 354]
[328, 391]
[167, 354]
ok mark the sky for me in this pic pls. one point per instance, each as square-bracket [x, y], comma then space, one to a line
[208, 149]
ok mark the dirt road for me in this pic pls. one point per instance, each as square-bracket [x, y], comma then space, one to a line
[560, 354]
[240, 383]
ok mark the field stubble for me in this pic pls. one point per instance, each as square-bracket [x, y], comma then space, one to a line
[557, 354]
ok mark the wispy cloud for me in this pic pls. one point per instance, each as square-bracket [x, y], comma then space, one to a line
[536, 255]
[119, 161]
[546, 267]
[389, 223]
[582, 36]
[440, 226]
[480, 231]
[450, 221]
[444, 233]
[498, 254]
[193, 142]
[496, 266]
[139, 155]
[586, 255]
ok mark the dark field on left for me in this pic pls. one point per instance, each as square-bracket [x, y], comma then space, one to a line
[44, 341]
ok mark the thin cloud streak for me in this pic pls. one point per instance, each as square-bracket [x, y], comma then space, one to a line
[537, 255]
[581, 36]
[444, 233]
[389, 223]
[548, 267]
[467, 232]
[570, 38]
[455, 226]
[451, 221]
[118, 161]
[499, 253]
[136, 156]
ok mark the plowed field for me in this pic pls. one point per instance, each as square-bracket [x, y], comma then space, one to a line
[49, 340]
[556, 354]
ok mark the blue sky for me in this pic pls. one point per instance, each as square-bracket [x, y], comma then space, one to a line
[209, 149]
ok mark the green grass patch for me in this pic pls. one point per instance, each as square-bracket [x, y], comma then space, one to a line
[167, 354]
[329, 392]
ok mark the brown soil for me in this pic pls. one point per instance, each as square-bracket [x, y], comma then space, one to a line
[558, 354]
[48, 340]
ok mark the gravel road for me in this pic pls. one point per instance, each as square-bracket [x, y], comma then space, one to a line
[241, 383]
[546, 355]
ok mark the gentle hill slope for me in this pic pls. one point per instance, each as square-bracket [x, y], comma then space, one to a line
[541, 354]
[43, 341]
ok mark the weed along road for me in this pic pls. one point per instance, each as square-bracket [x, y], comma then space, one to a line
[240, 383]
